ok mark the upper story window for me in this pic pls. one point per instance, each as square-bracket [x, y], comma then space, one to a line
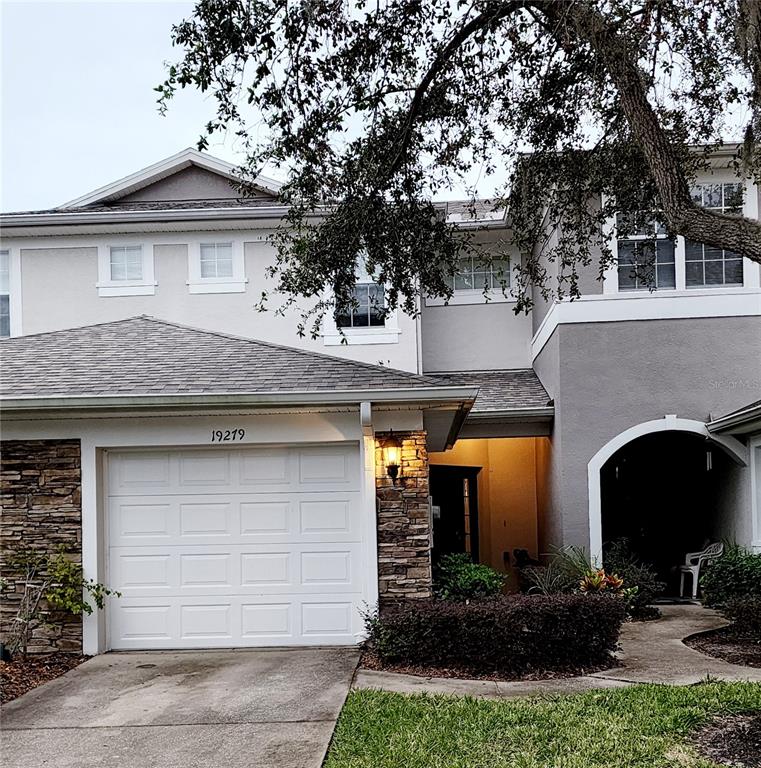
[478, 280]
[125, 269]
[126, 262]
[705, 265]
[481, 275]
[646, 255]
[216, 267]
[5, 294]
[216, 260]
[367, 312]
[725, 198]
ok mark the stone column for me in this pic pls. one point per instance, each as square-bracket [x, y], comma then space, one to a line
[404, 533]
[41, 510]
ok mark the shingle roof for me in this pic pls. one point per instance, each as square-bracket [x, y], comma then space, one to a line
[147, 356]
[499, 391]
[156, 205]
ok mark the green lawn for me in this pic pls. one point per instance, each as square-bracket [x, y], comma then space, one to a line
[639, 727]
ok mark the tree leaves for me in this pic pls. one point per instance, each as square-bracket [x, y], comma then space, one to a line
[373, 109]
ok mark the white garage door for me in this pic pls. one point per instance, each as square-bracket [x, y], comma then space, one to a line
[235, 547]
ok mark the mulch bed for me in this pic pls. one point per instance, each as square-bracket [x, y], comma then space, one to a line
[734, 740]
[370, 660]
[726, 645]
[21, 675]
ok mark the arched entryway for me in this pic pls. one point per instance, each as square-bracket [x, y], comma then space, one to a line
[662, 484]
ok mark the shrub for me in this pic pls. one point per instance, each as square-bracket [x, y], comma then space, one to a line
[737, 573]
[53, 584]
[620, 560]
[745, 615]
[511, 635]
[563, 574]
[459, 578]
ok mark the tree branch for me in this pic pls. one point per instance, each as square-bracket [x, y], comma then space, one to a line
[737, 234]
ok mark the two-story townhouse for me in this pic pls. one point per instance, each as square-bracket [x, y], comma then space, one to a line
[240, 485]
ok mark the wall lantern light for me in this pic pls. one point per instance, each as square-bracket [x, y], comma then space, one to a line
[392, 455]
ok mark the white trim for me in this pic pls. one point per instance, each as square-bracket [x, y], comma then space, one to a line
[162, 169]
[14, 288]
[669, 423]
[198, 284]
[388, 333]
[470, 297]
[368, 504]
[755, 492]
[663, 305]
[146, 286]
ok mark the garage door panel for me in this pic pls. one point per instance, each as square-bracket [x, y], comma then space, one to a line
[140, 472]
[331, 468]
[266, 517]
[266, 623]
[136, 521]
[206, 622]
[267, 569]
[235, 546]
[198, 622]
[206, 570]
[204, 519]
[273, 468]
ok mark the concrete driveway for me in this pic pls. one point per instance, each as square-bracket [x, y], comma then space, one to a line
[231, 708]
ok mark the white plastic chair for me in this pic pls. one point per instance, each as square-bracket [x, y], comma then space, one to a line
[694, 561]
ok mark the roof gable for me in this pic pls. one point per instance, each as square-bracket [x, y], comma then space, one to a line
[135, 187]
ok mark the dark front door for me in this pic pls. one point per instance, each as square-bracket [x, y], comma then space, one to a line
[454, 491]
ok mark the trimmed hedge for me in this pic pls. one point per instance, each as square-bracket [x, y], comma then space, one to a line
[513, 635]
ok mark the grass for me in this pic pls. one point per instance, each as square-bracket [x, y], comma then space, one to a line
[644, 726]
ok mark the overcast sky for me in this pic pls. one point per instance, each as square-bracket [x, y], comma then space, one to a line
[78, 109]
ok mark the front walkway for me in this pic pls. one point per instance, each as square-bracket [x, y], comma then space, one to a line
[651, 652]
[190, 709]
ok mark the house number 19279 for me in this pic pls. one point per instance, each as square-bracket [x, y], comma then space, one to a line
[227, 435]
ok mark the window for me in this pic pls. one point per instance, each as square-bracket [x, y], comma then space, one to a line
[723, 198]
[476, 275]
[125, 269]
[216, 260]
[704, 264]
[646, 255]
[126, 263]
[5, 294]
[216, 267]
[368, 312]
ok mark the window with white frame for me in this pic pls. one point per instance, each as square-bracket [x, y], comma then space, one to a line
[646, 254]
[5, 294]
[706, 265]
[474, 274]
[367, 311]
[216, 266]
[216, 260]
[125, 269]
[126, 263]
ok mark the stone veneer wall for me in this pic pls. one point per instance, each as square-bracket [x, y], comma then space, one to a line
[41, 487]
[404, 533]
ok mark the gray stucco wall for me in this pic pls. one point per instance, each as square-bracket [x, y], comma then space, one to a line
[608, 377]
[475, 337]
[192, 183]
[58, 291]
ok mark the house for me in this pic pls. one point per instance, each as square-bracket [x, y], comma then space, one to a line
[242, 486]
